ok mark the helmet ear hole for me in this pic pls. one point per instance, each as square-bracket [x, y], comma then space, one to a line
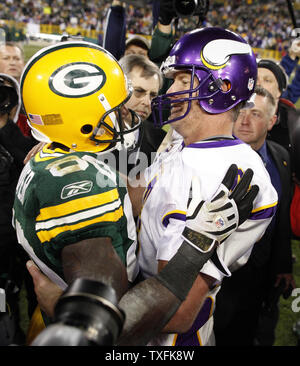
[86, 129]
[226, 85]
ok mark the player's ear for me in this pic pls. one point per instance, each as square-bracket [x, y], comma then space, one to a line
[272, 122]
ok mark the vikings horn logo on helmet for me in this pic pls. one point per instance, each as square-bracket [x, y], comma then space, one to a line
[216, 54]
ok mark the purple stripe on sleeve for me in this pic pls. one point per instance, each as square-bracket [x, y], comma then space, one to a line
[264, 213]
[173, 215]
[190, 338]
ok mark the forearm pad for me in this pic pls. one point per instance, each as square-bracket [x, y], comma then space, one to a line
[182, 270]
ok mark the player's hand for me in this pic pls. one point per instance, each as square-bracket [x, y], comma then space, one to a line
[34, 151]
[166, 12]
[47, 292]
[295, 48]
[211, 221]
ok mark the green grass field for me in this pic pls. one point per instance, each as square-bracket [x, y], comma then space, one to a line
[284, 332]
[30, 50]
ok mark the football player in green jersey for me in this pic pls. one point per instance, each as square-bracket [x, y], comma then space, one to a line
[72, 212]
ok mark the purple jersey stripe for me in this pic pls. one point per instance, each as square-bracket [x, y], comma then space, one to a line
[212, 144]
[173, 215]
[149, 188]
[190, 338]
[264, 213]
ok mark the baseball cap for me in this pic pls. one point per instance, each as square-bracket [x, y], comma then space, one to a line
[139, 41]
[277, 70]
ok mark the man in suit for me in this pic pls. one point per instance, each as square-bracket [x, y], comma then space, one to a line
[146, 79]
[273, 77]
[257, 286]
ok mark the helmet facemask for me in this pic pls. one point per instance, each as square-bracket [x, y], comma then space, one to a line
[125, 135]
[207, 87]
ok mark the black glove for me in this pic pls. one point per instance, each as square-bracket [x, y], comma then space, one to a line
[211, 221]
[166, 12]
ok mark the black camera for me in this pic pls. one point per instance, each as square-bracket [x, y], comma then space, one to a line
[8, 96]
[187, 8]
[87, 314]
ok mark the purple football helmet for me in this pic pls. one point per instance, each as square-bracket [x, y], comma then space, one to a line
[222, 61]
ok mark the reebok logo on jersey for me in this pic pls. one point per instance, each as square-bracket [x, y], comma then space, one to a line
[77, 79]
[76, 188]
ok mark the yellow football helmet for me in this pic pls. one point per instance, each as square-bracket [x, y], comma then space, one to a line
[72, 93]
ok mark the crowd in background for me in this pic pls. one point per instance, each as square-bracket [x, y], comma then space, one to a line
[268, 25]
[87, 14]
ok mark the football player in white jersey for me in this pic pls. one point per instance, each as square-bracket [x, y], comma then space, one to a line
[72, 213]
[214, 73]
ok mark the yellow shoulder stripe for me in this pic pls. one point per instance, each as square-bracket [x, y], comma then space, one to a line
[47, 235]
[78, 204]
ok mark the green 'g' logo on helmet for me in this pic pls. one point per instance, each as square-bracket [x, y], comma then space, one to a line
[77, 79]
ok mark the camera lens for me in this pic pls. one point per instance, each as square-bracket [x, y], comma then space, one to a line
[8, 98]
[3, 95]
[185, 8]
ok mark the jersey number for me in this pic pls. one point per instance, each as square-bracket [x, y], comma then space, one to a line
[72, 164]
[67, 165]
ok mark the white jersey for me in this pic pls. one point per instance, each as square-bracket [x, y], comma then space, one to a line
[163, 215]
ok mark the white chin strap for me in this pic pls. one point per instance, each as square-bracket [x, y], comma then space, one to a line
[38, 135]
[130, 139]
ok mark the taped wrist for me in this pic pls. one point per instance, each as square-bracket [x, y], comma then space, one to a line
[180, 273]
[199, 240]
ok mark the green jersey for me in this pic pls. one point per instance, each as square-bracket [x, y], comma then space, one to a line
[63, 198]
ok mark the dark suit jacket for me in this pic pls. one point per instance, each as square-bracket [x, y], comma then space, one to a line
[280, 132]
[14, 147]
[152, 139]
[239, 301]
[286, 132]
[274, 249]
